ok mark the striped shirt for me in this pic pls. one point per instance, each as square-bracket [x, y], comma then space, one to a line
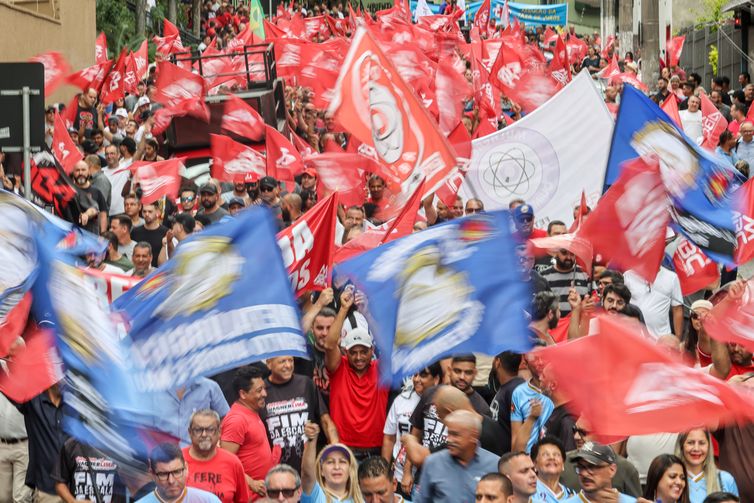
[560, 284]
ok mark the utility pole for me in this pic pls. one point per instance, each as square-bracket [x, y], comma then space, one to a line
[650, 42]
[625, 26]
[141, 18]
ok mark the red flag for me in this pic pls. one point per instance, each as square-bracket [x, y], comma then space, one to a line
[610, 70]
[400, 226]
[308, 245]
[141, 60]
[673, 48]
[383, 112]
[670, 106]
[246, 37]
[694, 269]
[642, 388]
[744, 220]
[732, 320]
[34, 367]
[583, 211]
[63, 147]
[629, 78]
[341, 173]
[574, 243]
[113, 87]
[283, 160]
[56, 70]
[100, 48]
[170, 43]
[560, 67]
[550, 36]
[628, 225]
[175, 84]
[90, 77]
[517, 75]
[713, 123]
[451, 88]
[130, 80]
[230, 159]
[158, 179]
[606, 49]
[461, 141]
[109, 285]
[13, 323]
[482, 17]
[242, 119]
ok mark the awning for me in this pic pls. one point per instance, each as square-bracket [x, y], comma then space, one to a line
[734, 5]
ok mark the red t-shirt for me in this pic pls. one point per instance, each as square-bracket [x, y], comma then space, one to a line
[222, 476]
[242, 426]
[538, 233]
[358, 405]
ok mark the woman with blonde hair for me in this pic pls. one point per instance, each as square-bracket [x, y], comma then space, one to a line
[331, 476]
[695, 449]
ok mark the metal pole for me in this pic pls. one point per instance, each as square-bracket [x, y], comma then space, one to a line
[27, 141]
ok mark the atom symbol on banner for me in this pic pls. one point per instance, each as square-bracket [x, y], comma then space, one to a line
[510, 173]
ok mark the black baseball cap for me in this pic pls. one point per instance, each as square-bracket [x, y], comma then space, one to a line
[208, 188]
[595, 453]
[268, 182]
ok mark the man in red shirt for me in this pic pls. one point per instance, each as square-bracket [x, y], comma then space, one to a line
[243, 432]
[358, 405]
[210, 468]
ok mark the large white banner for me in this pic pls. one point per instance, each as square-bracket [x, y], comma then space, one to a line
[548, 157]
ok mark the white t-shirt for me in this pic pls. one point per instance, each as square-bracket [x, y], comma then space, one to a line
[655, 300]
[642, 449]
[397, 423]
[692, 124]
[118, 178]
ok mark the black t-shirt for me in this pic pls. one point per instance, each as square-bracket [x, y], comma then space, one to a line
[501, 410]
[314, 368]
[79, 464]
[287, 409]
[153, 237]
[492, 437]
[537, 283]
[86, 117]
[542, 263]
[560, 425]
[434, 433]
[95, 199]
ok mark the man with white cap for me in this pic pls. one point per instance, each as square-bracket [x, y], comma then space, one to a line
[358, 404]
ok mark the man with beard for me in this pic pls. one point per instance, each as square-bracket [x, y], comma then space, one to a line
[530, 407]
[545, 315]
[210, 201]
[615, 298]
[292, 400]
[210, 468]
[152, 231]
[94, 217]
[290, 207]
[268, 195]
[596, 467]
[239, 191]
[563, 275]
[505, 365]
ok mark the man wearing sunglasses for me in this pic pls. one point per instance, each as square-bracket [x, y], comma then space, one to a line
[596, 466]
[210, 468]
[169, 472]
[283, 484]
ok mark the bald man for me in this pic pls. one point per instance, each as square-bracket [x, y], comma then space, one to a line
[445, 400]
[290, 207]
[451, 475]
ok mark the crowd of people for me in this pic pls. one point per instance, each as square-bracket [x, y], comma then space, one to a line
[471, 427]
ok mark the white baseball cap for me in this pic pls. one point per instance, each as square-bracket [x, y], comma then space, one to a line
[142, 101]
[357, 337]
[121, 112]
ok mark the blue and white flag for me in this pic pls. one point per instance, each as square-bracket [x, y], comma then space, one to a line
[223, 300]
[453, 288]
[698, 182]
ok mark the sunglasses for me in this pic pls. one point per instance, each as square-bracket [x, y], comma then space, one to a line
[266, 189]
[275, 493]
[698, 316]
[580, 431]
[187, 199]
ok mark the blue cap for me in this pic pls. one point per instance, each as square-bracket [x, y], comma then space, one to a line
[524, 210]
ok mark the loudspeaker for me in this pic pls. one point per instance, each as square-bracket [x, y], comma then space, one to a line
[14, 76]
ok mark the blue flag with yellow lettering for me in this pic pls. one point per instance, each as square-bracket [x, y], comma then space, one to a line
[453, 288]
[223, 300]
[698, 182]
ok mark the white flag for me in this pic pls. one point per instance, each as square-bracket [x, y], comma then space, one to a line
[547, 158]
[422, 9]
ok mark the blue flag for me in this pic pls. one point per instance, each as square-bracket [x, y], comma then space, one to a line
[223, 300]
[453, 288]
[698, 182]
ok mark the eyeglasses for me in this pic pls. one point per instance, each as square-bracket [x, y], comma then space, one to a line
[275, 493]
[589, 468]
[165, 476]
[266, 189]
[580, 431]
[200, 431]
